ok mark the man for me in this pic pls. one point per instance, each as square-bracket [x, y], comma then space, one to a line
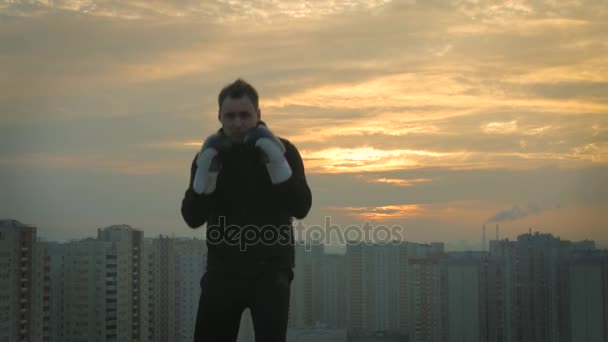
[247, 185]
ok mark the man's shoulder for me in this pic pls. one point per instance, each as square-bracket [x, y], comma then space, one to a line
[289, 147]
[285, 141]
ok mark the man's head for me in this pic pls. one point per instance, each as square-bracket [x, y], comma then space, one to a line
[238, 109]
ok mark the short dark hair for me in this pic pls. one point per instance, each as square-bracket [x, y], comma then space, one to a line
[238, 89]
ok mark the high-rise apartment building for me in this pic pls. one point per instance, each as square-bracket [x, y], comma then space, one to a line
[96, 286]
[501, 290]
[161, 287]
[305, 297]
[466, 296]
[529, 288]
[385, 284]
[589, 296]
[426, 291]
[333, 291]
[90, 307]
[24, 297]
[129, 278]
[190, 262]
[356, 287]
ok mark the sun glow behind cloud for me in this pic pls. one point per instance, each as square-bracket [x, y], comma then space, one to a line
[367, 159]
[464, 211]
[370, 159]
[500, 127]
[382, 213]
[399, 181]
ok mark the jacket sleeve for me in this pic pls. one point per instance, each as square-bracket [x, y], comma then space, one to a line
[294, 192]
[195, 207]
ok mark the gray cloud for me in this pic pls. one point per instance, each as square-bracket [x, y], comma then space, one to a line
[546, 187]
[220, 10]
[568, 90]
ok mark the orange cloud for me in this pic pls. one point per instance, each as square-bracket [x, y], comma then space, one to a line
[365, 159]
[432, 87]
[400, 181]
[500, 127]
[472, 213]
[192, 145]
[382, 213]
[369, 159]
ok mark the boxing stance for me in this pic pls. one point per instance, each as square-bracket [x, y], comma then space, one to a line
[246, 185]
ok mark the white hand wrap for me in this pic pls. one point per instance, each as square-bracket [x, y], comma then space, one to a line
[205, 179]
[277, 166]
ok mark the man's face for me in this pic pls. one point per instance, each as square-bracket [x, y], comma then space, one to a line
[238, 115]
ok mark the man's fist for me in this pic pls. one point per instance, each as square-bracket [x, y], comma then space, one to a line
[273, 149]
[208, 163]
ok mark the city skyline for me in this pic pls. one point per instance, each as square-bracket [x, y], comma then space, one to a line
[120, 285]
[439, 116]
[332, 243]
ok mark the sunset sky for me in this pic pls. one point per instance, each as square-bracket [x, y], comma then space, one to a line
[438, 116]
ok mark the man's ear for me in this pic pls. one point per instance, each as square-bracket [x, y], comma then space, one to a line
[219, 116]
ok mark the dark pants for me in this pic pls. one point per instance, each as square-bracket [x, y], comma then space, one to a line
[224, 297]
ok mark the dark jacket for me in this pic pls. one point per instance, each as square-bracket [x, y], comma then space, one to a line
[245, 206]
